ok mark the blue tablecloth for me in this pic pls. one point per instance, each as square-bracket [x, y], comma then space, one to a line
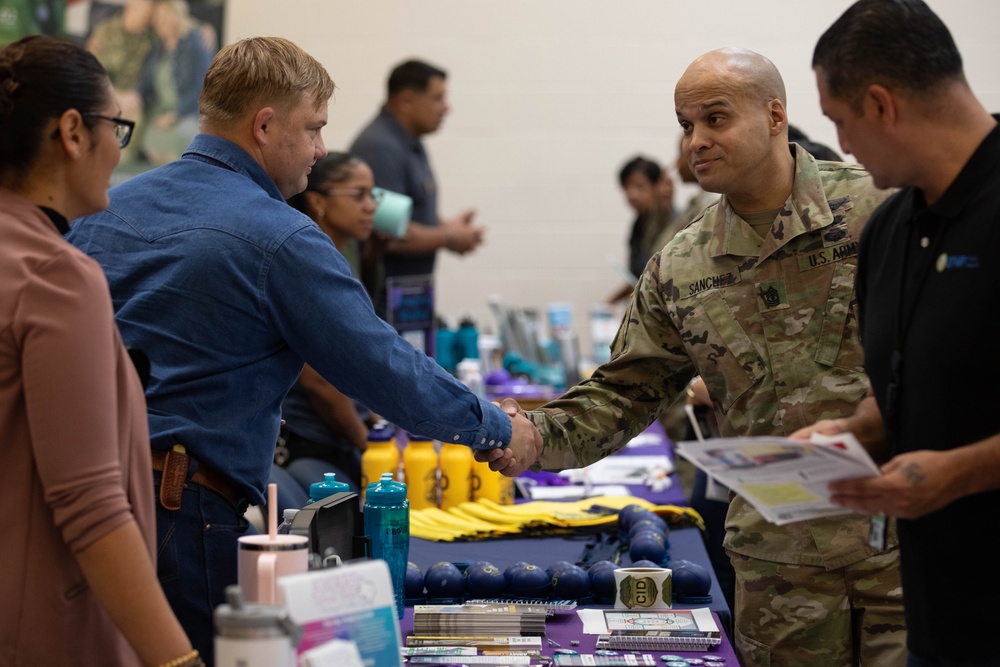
[685, 543]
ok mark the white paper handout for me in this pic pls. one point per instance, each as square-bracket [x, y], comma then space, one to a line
[622, 469]
[784, 479]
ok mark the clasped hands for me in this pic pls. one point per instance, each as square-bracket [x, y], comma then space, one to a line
[525, 444]
[463, 236]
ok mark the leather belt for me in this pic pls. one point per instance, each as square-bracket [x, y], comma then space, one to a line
[174, 465]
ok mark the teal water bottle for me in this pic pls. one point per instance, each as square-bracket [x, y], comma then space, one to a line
[387, 524]
[467, 340]
[445, 348]
[329, 486]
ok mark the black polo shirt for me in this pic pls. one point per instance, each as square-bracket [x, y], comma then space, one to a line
[929, 296]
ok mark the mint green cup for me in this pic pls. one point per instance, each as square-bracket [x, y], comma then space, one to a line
[393, 213]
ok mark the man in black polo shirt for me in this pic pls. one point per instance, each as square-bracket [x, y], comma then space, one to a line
[890, 77]
[416, 105]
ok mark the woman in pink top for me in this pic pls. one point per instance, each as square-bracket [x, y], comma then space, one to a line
[77, 578]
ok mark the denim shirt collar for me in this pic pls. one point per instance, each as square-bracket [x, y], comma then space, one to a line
[211, 148]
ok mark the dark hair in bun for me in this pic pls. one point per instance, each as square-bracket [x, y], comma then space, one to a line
[331, 168]
[40, 78]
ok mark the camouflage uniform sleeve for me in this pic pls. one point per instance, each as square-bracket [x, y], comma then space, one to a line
[648, 370]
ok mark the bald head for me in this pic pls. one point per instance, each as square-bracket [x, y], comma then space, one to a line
[730, 104]
[736, 71]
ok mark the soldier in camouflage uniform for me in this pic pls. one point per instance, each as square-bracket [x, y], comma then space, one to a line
[756, 296]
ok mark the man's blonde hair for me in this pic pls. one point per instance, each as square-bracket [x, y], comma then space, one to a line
[257, 72]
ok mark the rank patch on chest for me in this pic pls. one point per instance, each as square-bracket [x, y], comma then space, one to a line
[772, 295]
[817, 258]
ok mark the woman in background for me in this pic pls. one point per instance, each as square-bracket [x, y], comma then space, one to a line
[77, 575]
[324, 430]
[171, 82]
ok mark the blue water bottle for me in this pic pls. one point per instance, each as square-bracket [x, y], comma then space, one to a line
[467, 340]
[329, 486]
[387, 524]
[445, 348]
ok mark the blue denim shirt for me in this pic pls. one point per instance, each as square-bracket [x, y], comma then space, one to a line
[228, 290]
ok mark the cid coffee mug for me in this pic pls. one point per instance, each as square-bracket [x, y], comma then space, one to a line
[643, 588]
[263, 560]
[393, 213]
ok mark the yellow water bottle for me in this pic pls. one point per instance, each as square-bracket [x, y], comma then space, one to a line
[456, 474]
[380, 456]
[491, 485]
[420, 470]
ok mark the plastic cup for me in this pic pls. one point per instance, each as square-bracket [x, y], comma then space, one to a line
[393, 213]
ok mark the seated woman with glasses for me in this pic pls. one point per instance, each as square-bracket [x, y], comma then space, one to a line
[324, 430]
[77, 574]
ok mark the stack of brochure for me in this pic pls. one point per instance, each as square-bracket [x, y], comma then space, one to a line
[490, 619]
[670, 630]
[452, 645]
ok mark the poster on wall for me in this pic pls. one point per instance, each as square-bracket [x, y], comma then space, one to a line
[156, 53]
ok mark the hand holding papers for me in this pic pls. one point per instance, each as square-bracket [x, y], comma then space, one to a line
[784, 479]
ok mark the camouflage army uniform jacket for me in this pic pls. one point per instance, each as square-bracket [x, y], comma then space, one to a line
[770, 325]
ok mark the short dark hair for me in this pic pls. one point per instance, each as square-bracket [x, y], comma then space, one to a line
[413, 75]
[41, 77]
[333, 167]
[896, 43]
[640, 164]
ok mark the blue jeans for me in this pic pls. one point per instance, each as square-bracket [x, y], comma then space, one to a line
[196, 558]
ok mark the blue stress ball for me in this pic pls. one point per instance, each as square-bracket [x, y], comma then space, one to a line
[645, 563]
[626, 516]
[508, 574]
[413, 585]
[690, 578]
[478, 563]
[602, 579]
[529, 581]
[643, 525]
[557, 567]
[484, 580]
[649, 516]
[443, 580]
[647, 545]
[570, 583]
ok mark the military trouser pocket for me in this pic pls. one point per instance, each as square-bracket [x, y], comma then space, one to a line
[751, 652]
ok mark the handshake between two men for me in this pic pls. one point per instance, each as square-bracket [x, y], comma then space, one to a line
[525, 444]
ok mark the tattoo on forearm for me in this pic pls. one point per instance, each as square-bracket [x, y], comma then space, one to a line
[911, 471]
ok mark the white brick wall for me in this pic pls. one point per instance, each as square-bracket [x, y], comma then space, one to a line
[549, 98]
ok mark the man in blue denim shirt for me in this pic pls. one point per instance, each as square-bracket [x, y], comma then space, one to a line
[228, 290]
